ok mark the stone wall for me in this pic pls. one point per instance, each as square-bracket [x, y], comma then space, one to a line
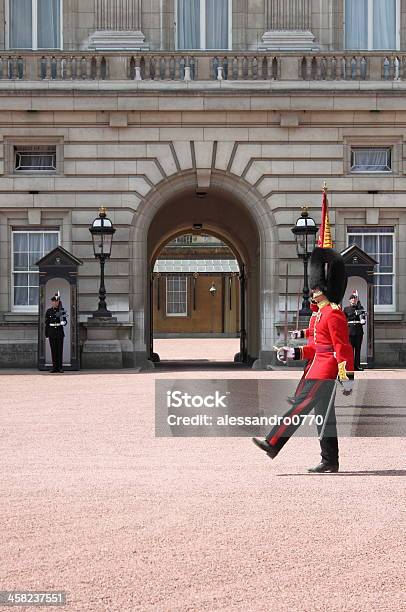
[120, 149]
[18, 345]
[2, 29]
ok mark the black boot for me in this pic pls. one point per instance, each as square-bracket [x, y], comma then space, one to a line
[324, 468]
[265, 446]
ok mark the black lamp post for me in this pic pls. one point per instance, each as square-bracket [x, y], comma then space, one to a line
[102, 232]
[305, 231]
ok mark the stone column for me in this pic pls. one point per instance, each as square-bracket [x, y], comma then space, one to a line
[118, 24]
[288, 14]
[288, 25]
[118, 15]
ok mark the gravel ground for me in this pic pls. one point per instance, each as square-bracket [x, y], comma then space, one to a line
[205, 349]
[91, 503]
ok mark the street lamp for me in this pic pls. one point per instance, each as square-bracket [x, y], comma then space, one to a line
[305, 231]
[102, 232]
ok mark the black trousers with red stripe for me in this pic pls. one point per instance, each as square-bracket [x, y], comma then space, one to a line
[310, 395]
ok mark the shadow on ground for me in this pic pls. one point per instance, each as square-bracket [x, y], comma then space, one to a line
[198, 364]
[360, 473]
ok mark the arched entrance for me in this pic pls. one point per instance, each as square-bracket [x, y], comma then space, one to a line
[232, 211]
[198, 293]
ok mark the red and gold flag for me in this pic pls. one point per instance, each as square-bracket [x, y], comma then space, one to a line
[325, 239]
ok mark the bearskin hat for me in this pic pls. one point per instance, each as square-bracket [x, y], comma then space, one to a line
[327, 273]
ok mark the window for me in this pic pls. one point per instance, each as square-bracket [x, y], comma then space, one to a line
[176, 296]
[28, 248]
[203, 24]
[372, 24]
[371, 159]
[33, 155]
[185, 239]
[40, 158]
[378, 242]
[35, 24]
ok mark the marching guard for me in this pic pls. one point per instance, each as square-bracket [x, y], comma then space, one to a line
[330, 355]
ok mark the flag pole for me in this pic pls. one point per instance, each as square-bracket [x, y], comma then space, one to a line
[325, 238]
[286, 304]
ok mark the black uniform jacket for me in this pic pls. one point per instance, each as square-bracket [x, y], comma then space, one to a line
[53, 321]
[354, 315]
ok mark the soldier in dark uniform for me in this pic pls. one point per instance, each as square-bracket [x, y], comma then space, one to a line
[55, 321]
[356, 317]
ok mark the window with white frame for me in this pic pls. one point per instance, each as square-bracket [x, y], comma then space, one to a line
[34, 158]
[371, 159]
[27, 248]
[379, 243]
[176, 296]
[34, 24]
[371, 24]
[203, 24]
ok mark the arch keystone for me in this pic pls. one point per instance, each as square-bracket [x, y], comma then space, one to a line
[203, 176]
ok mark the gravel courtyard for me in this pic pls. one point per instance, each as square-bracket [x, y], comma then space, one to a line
[92, 504]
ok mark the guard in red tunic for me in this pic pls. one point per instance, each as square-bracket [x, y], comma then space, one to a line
[330, 355]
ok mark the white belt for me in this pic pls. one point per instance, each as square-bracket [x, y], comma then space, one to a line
[55, 324]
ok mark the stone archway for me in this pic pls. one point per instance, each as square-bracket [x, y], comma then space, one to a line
[234, 211]
[175, 219]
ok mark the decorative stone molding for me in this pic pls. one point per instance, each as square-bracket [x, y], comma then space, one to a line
[203, 176]
[288, 40]
[114, 40]
[118, 24]
[288, 25]
[289, 120]
[34, 217]
[118, 119]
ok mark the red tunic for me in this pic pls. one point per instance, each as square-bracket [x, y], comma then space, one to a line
[309, 332]
[330, 352]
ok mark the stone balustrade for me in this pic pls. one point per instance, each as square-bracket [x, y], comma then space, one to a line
[201, 66]
[350, 67]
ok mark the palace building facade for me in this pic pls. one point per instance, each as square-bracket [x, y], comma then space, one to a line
[213, 117]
